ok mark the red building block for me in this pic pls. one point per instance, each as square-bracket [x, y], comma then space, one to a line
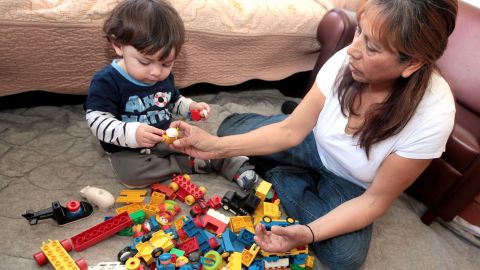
[215, 202]
[189, 245]
[163, 189]
[101, 231]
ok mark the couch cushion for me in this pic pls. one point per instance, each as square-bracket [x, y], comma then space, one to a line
[58, 45]
[463, 146]
[460, 64]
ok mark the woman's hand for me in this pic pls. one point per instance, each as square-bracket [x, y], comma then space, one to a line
[282, 239]
[195, 142]
[148, 136]
[203, 107]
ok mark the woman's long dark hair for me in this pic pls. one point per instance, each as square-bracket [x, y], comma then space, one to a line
[416, 29]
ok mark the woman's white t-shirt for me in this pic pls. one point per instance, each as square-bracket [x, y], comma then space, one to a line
[424, 136]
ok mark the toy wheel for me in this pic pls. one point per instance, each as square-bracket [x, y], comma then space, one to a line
[189, 200]
[125, 254]
[173, 186]
[187, 177]
[267, 219]
[132, 263]
[40, 258]
[157, 252]
[290, 220]
[82, 264]
[203, 190]
[66, 245]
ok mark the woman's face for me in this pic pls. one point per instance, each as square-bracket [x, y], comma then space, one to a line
[370, 62]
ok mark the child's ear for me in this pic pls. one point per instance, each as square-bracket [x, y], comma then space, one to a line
[118, 48]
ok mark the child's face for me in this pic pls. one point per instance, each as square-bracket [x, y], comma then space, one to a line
[142, 67]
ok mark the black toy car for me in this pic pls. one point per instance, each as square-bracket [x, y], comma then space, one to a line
[240, 205]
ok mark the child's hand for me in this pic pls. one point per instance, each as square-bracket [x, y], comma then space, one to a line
[203, 108]
[148, 136]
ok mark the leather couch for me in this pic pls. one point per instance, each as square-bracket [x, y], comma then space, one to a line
[452, 181]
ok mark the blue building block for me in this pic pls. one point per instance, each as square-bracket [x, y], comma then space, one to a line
[299, 259]
[230, 242]
[256, 265]
[245, 236]
[202, 236]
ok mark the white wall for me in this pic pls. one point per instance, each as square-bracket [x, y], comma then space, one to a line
[473, 2]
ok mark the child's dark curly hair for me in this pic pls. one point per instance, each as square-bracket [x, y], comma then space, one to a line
[147, 25]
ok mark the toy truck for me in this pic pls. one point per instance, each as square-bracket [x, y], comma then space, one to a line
[240, 205]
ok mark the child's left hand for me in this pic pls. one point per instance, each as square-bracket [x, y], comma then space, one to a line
[203, 108]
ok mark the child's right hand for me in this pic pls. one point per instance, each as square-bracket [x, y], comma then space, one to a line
[148, 136]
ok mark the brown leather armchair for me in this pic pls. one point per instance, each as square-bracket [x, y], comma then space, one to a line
[334, 32]
[452, 181]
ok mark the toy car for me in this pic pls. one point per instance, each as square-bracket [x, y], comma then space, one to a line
[154, 245]
[56, 253]
[185, 190]
[269, 222]
[240, 205]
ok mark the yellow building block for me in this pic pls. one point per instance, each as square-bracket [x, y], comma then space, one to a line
[237, 223]
[309, 262]
[58, 256]
[132, 196]
[262, 190]
[157, 198]
[235, 261]
[249, 255]
[150, 210]
[179, 222]
[129, 208]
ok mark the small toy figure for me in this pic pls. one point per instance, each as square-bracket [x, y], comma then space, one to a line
[171, 134]
[197, 115]
[164, 262]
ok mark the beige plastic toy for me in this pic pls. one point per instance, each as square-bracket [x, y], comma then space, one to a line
[100, 197]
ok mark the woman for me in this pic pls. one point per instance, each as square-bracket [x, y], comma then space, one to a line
[378, 113]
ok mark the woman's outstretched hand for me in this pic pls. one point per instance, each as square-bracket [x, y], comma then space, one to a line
[195, 142]
[281, 239]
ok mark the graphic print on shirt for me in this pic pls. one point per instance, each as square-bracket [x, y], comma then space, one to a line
[151, 109]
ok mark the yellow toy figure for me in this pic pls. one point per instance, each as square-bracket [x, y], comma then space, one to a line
[171, 134]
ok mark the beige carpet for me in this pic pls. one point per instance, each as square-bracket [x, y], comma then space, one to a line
[48, 154]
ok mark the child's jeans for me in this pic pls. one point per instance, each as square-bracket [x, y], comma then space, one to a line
[307, 191]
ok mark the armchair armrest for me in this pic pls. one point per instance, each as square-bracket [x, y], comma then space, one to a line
[335, 31]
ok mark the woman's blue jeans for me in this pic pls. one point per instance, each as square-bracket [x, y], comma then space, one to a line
[307, 191]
